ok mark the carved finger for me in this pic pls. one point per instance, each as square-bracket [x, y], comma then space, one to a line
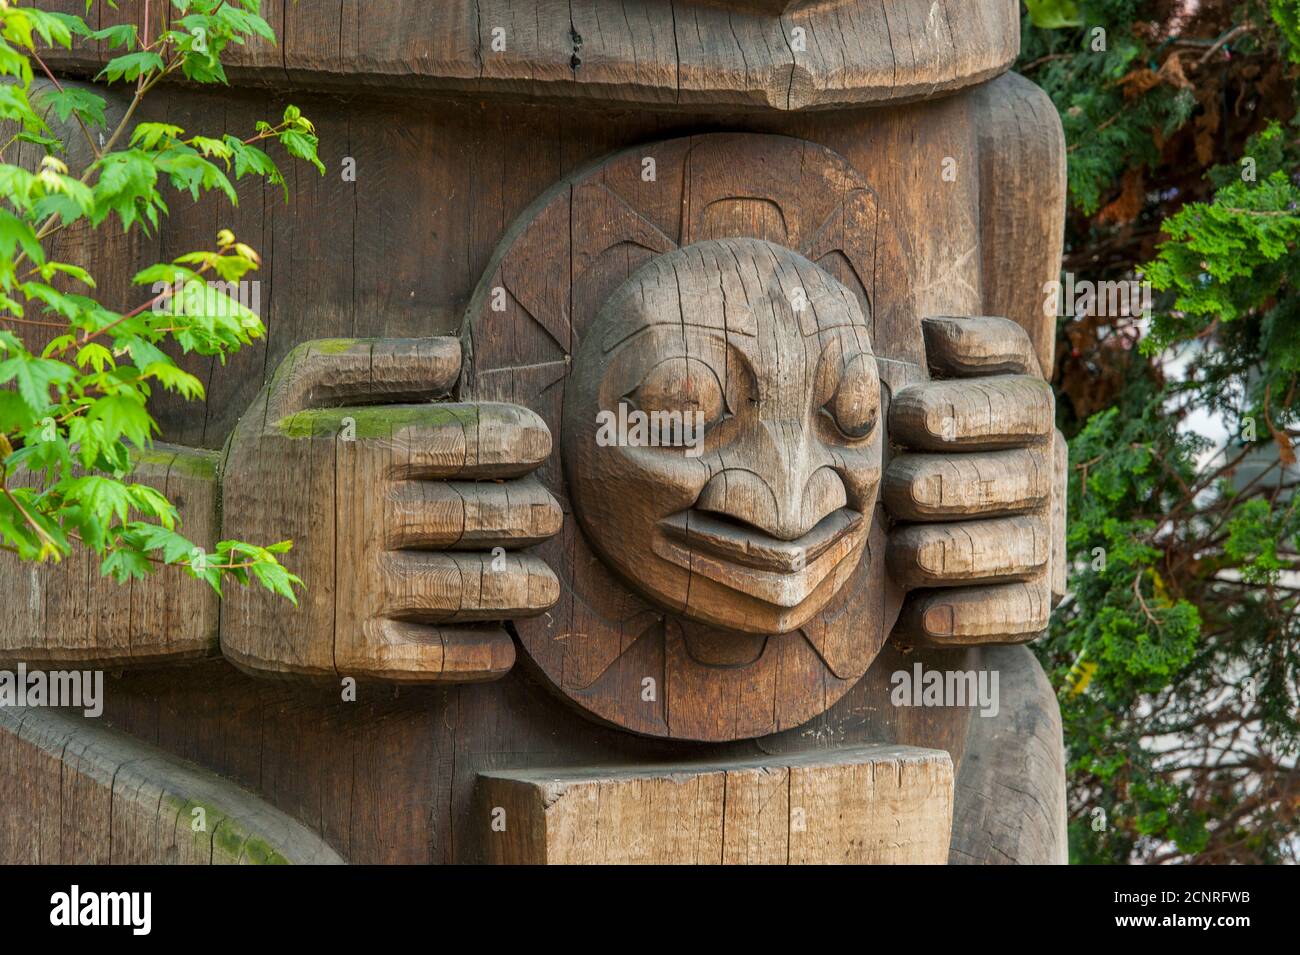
[927, 487]
[986, 414]
[971, 616]
[470, 515]
[329, 373]
[953, 555]
[437, 441]
[403, 651]
[494, 441]
[978, 345]
[453, 588]
[1060, 474]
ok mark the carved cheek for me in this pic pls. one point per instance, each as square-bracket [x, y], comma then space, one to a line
[664, 477]
[855, 405]
[860, 469]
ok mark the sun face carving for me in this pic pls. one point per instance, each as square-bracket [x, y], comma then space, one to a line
[722, 435]
[727, 584]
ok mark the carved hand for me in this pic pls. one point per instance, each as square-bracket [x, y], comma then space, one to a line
[406, 517]
[978, 496]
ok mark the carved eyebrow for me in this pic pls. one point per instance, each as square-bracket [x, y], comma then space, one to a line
[835, 303]
[693, 310]
[826, 310]
[618, 337]
[814, 332]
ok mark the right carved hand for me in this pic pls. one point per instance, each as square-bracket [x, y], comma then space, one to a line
[406, 518]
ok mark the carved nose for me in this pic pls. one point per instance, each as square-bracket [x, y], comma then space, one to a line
[784, 488]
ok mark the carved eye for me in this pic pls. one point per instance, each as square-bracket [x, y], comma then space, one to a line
[855, 406]
[683, 385]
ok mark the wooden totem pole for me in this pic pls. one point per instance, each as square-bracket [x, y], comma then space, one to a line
[659, 415]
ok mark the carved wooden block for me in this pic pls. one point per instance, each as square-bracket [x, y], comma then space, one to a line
[865, 805]
[737, 578]
[742, 283]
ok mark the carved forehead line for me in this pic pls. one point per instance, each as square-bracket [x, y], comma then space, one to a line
[719, 339]
[622, 336]
[838, 306]
[733, 316]
[704, 320]
[660, 305]
[830, 303]
[713, 310]
[745, 339]
[707, 286]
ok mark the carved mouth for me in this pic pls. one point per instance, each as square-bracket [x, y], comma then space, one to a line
[779, 572]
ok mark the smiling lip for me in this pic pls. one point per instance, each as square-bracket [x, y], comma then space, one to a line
[749, 547]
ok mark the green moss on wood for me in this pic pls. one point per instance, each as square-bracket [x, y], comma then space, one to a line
[377, 422]
[223, 834]
[338, 346]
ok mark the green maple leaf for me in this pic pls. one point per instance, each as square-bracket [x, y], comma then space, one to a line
[1053, 14]
[15, 232]
[34, 377]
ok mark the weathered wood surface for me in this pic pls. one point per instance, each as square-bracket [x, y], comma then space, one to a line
[68, 612]
[947, 275]
[981, 472]
[398, 252]
[402, 550]
[288, 744]
[665, 623]
[391, 777]
[74, 792]
[755, 54]
[863, 805]
[1022, 207]
[1010, 798]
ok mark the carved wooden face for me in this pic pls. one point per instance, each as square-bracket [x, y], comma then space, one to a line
[730, 589]
[754, 521]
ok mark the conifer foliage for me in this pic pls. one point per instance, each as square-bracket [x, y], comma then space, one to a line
[1177, 653]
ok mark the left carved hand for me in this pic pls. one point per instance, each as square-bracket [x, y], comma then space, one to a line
[978, 497]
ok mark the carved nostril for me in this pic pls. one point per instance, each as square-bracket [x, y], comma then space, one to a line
[823, 495]
[787, 513]
[742, 496]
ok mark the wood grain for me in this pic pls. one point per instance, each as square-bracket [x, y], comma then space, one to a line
[954, 486]
[754, 54]
[69, 613]
[382, 602]
[74, 792]
[984, 554]
[392, 778]
[1002, 411]
[400, 251]
[1022, 204]
[1010, 799]
[863, 805]
[743, 221]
